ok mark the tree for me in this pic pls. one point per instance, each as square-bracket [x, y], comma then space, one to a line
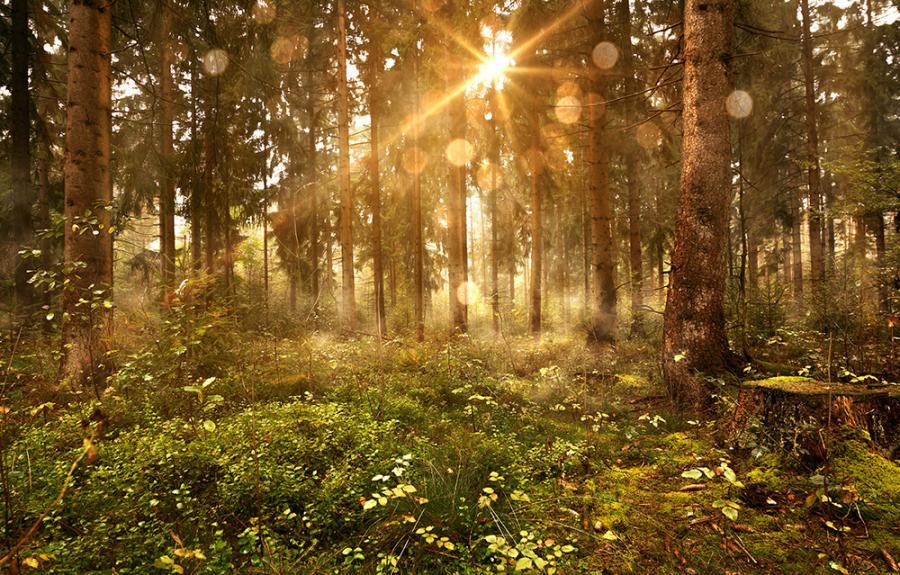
[603, 305]
[694, 325]
[348, 289]
[167, 180]
[20, 144]
[814, 187]
[88, 195]
[376, 64]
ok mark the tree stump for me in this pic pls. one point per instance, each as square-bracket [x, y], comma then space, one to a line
[799, 411]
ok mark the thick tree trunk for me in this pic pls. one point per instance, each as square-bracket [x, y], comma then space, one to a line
[495, 219]
[374, 173]
[816, 248]
[603, 304]
[348, 287]
[20, 147]
[209, 168]
[694, 326]
[88, 192]
[167, 179]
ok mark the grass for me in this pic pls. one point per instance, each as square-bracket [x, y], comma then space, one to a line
[331, 456]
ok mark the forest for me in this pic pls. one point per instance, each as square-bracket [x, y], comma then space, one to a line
[450, 287]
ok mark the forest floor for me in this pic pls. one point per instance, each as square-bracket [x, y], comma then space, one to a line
[322, 455]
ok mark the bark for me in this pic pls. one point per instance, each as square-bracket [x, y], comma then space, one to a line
[603, 304]
[348, 289]
[816, 248]
[20, 147]
[376, 63]
[167, 179]
[694, 326]
[88, 257]
[209, 167]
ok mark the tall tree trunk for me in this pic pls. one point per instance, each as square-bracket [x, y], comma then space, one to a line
[313, 183]
[495, 219]
[197, 184]
[418, 243]
[167, 179]
[537, 224]
[456, 212]
[694, 325]
[786, 255]
[348, 287]
[376, 63]
[797, 248]
[816, 248]
[20, 147]
[210, 166]
[603, 305]
[632, 176]
[88, 256]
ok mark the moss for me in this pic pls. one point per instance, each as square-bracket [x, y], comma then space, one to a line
[807, 386]
[876, 479]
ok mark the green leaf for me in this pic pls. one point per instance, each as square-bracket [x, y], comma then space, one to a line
[692, 474]
[729, 474]
[524, 563]
[209, 425]
[730, 512]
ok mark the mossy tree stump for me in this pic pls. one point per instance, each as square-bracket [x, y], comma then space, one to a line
[797, 411]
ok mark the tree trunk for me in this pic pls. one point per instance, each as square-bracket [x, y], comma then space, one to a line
[20, 147]
[196, 206]
[796, 247]
[537, 216]
[694, 325]
[495, 219]
[418, 244]
[209, 167]
[167, 180]
[348, 289]
[816, 248]
[88, 256]
[603, 305]
[456, 213]
[313, 183]
[376, 63]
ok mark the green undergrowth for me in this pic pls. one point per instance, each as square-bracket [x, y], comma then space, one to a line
[329, 456]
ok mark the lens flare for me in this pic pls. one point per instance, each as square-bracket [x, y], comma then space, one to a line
[460, 152]
[215, 61]
[263, 12]
[605, 55]
[568, 109]
[739, 104]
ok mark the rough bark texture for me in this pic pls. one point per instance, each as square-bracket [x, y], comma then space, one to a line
[196, 205]
[20, 146]
[348, 287]
[167, 180]
[88, 256]
[694, 326]
[312, 171]
[796, 250]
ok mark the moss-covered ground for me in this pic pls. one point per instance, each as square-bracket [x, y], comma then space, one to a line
[332, 456]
